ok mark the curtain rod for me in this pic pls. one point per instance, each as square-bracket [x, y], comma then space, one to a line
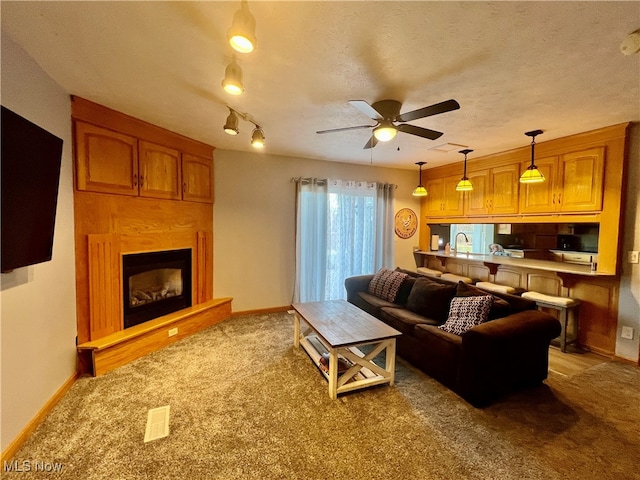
[324, 180]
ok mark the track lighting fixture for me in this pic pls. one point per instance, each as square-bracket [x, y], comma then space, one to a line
[232, 82]
[257, 138]
[532, 174]
[242, 34]
[231, 125]
[420, 191]
[464, 185]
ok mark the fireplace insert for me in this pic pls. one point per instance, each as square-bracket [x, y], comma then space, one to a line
[155, 284]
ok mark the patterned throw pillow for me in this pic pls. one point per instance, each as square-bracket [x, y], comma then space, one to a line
[467, 312]
[386, 283]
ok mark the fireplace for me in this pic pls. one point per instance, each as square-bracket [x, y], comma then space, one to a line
[155, 284]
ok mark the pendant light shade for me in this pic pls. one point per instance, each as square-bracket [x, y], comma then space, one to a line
[257, 138]
[242, 34]
[464, 185]
[231, 125]
[232, 82]
[420, 191]
[532, 174]
[385, 132]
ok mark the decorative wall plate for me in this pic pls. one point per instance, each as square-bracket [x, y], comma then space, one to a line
[406, 223]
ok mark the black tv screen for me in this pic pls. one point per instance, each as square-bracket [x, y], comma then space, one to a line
[30, 160]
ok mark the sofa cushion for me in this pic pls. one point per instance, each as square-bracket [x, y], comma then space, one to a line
[466, 313]
[403, 319]
[499, 308]
[386, 284]
[431, 299]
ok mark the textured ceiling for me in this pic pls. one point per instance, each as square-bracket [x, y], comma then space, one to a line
[512, 66]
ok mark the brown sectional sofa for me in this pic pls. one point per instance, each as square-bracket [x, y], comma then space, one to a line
[509, 351]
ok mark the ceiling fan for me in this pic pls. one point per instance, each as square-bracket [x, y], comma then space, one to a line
[391, 121]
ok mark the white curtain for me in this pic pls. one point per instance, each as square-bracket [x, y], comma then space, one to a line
[344, 228]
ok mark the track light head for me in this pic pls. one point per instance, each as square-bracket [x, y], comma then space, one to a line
[257, 138]
[231, 125]
[232, 82]
[242, 34]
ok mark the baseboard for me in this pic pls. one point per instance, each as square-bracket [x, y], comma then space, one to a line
[15, 445]
[284, 308]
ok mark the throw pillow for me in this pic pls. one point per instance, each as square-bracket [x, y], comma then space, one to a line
[499, 308]
[386, 283]
[431, 299]
[467, 312]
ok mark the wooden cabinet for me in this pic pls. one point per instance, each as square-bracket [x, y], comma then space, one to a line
[197, 175]
[160, 171]
[107, 161]
[443, 200]
[573, 183]
[495, 191]
[111, 162]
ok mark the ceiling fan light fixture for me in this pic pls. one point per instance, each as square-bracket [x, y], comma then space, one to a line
[231, 125]
[532, 174]
[257, 138]
[464, 185]
[420, 191]
[232, 82]
[385, 132]
[241, 34]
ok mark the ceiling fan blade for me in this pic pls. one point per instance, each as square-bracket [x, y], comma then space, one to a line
[373, 141]
[345, 129]
[365, 108]
[419, 131]
[435, 109]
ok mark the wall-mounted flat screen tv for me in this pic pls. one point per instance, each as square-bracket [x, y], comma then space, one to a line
[30, 158]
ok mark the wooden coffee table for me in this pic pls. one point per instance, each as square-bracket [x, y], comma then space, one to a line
[340, 328]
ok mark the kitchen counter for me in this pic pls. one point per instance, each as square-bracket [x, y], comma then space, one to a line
[547, 265]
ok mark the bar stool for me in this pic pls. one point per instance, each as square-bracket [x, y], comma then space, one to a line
[429, 272]
[566, 306]
[450, 277]
[494, 287]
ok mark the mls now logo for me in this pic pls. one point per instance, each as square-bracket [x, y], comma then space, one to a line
[32, 466]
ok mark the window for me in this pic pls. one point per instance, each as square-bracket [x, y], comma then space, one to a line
[344, 228]
[480, 237]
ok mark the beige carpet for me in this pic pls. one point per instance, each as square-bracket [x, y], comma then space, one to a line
[246, 405]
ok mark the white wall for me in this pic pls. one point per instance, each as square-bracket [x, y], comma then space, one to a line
[629, 304]
[37, 303]
[254, 222]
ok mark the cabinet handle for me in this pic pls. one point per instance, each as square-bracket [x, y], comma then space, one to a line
[559, 198]
[553, 200]
[184, 187]
[135, 179]
[141, 181]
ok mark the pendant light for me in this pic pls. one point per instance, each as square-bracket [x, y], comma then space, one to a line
[464, 185]
[420, 191]
[232, 82]
[532, 174]
[257, 138]
[231, 125]
[242, 34]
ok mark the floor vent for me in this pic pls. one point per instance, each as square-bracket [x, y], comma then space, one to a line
[157, 424]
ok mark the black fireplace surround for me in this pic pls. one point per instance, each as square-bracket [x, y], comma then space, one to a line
[155, 284]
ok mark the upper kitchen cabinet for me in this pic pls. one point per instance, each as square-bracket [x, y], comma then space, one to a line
[495, 191]
[573, 184]
[197, 174]
[443, 200]
[107, 161]
[160, 171]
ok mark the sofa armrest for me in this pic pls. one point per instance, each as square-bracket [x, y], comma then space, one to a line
[505, 353]
[359, 283]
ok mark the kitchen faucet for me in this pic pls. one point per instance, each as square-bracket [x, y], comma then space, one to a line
[455, 245]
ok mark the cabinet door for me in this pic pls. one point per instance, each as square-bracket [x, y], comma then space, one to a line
[159, 171]
[540, 197]
[504, 189]
[478, 199]
[106, 161]
[581, 174]
[435, 197]
[197, 178]
[453, 199]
